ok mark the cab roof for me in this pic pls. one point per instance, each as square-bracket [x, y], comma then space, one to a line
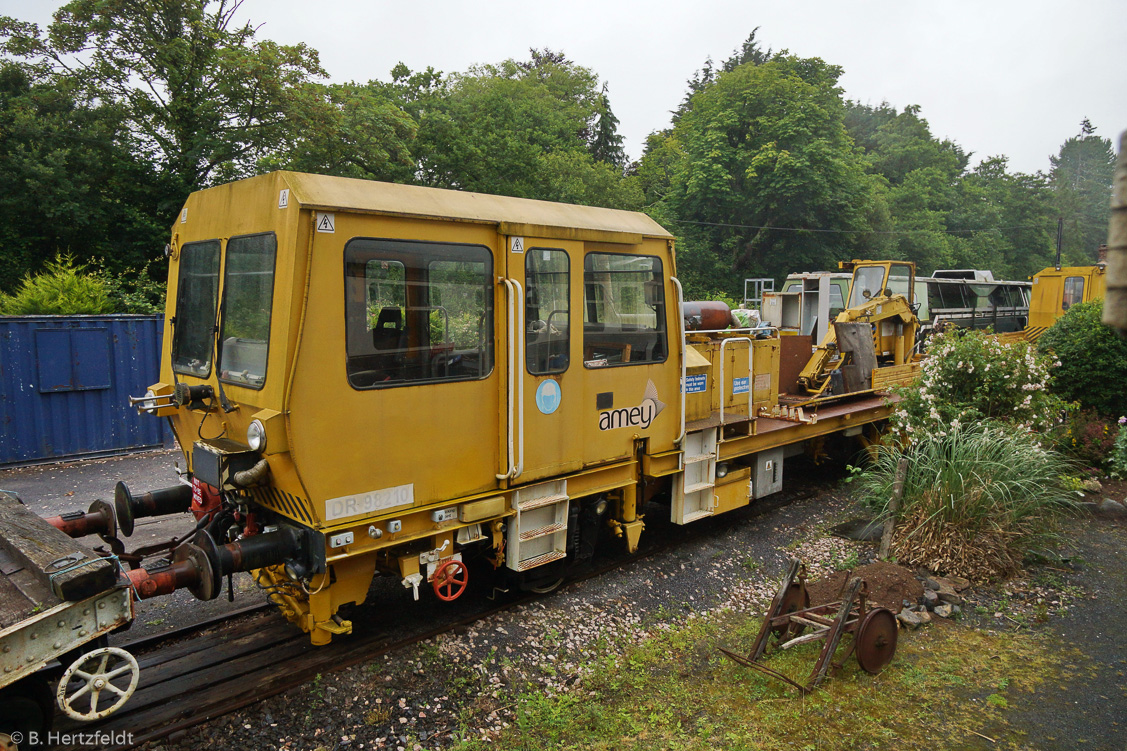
[514, 216]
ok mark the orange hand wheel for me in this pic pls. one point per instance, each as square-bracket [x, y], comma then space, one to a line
[450, 580]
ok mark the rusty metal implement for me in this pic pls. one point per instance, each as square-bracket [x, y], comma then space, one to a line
[874, 630]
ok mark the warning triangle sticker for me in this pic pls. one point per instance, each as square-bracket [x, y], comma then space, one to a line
[325, 223]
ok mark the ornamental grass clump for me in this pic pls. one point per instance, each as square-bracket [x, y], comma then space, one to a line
[976, 498]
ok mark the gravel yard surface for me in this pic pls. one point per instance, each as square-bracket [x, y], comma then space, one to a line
[465, 683]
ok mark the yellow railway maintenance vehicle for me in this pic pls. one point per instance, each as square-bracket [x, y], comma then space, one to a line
[375, 379]
[1056, 289]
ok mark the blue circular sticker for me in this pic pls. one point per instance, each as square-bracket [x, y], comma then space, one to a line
[548, 396]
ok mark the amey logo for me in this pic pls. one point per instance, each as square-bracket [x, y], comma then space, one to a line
[634, 417]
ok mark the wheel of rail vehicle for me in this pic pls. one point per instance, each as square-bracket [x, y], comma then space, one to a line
[875, 640]
[107, 670]
[26, 707]
[450, 580]
[545, 586]
[795, 599]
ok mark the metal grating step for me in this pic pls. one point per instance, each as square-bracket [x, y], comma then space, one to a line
[540, 560]
[548, 529]
[543, 501]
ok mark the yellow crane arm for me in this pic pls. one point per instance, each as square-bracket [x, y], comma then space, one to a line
[815, 375]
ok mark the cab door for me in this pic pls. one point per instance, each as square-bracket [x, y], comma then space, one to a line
[597, 373]
[550, 275]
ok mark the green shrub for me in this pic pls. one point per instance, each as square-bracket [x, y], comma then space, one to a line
[1087, 437]
[61, 289]
[969, 377]
[1093, 359]
[975, 497]
[134, 291]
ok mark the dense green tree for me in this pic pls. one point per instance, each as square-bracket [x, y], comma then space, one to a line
[921, 176]
[350, 130]
[201, 97]
[520, 129]
[1002, 221]
[770, 181]
[898, 143]
[68, 180]
[1081, 180]
[748, 52]
[606, 143]
[944, 216]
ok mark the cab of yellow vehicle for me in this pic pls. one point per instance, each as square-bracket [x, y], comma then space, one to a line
[392, 371]
[1055, 290]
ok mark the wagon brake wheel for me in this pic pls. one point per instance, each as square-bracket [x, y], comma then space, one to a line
[105, 669]
[450, 580]
[796, 598]
[875, 640]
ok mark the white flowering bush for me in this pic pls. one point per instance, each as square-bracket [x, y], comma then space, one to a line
[970, 377]
[1118, 458]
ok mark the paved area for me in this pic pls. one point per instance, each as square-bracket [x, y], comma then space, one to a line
[52, 489]
[1085, 707]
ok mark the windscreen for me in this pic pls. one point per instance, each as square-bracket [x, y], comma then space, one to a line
[197, 295]
[248, 292]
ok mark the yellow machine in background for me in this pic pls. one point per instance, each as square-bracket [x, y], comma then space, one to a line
[877, 328]
[1055, 290]
[374, 379]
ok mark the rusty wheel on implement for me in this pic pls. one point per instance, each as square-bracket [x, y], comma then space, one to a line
[796, 598]
[875, 640]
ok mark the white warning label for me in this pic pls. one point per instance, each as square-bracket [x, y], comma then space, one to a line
[516, 244]
[326, 222]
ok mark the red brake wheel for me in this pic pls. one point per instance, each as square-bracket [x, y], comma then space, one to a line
[450, 580]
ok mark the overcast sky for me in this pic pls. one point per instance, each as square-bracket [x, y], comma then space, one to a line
[996, 77]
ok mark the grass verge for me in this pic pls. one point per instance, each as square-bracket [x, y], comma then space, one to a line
[948, 687]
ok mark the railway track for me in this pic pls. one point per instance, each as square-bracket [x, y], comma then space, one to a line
[201, 672]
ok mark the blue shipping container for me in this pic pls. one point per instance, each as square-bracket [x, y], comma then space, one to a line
[65, 383]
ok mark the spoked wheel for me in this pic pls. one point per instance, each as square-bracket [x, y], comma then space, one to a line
[110, 671]
[795, 599]
[450, 580]
[26, 707]
[875, 640]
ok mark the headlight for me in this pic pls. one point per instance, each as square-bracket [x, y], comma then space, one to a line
[256, 435]
[721, 470]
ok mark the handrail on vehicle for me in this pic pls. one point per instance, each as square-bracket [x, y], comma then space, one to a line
[510, 293]
[750, 376]
[515, 392]
[681, 328]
